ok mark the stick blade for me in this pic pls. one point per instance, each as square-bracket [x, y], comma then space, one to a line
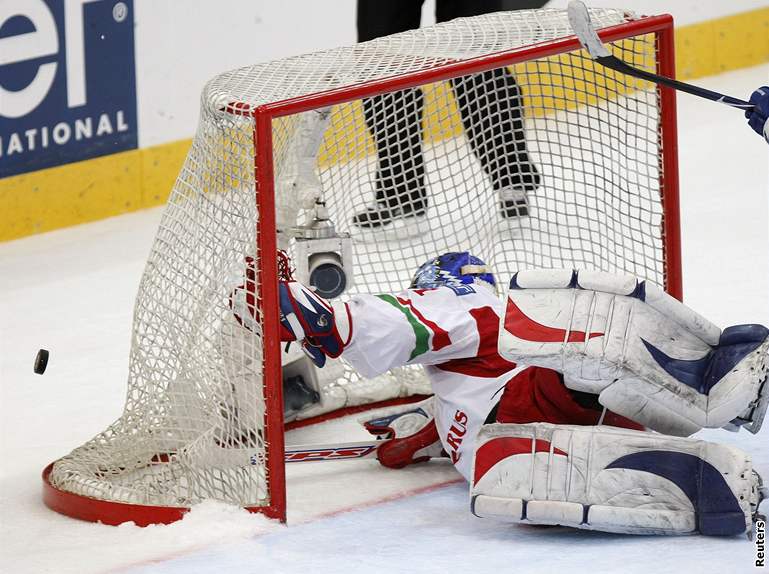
[579, 18]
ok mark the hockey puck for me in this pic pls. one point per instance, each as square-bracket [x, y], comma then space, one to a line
[41, 361]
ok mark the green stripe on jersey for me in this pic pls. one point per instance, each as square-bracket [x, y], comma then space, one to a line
[420, 331]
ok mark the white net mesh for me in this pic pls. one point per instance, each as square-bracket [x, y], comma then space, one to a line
[549, 163]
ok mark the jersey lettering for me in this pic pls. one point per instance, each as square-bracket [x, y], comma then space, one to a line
[454, 437]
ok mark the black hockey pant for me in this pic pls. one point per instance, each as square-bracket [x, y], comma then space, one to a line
[489, 105]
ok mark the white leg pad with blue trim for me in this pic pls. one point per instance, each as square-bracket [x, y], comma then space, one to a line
[646, 355]
[613, 480]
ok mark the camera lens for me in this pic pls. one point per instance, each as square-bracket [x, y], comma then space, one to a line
[328, 278]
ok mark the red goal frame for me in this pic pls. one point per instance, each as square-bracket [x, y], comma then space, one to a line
[108, 512]
[661, 26]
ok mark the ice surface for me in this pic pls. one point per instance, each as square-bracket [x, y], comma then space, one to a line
[427, 533]
[72, 292]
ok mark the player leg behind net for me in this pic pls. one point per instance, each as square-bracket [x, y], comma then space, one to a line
[490, 107]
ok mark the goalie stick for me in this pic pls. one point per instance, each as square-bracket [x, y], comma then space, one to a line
[579, 18]
[328, 452]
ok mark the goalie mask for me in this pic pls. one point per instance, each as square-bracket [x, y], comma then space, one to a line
[455, 270]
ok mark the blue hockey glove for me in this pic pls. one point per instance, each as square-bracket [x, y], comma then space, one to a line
[758, 117]
[304, 317]
[314, 321]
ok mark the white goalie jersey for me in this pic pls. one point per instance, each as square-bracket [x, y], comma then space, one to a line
[453, 333]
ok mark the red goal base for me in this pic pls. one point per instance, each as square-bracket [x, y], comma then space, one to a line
[115, 513]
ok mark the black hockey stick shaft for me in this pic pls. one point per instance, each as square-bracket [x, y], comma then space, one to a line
[616, 64]
[579, 18]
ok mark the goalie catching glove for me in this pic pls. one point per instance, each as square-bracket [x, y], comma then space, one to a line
[410, 432]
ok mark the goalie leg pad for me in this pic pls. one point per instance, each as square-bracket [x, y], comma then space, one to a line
[612, 480]
[648, 357]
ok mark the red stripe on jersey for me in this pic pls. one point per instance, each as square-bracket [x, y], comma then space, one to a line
[493, 451]
[440, 337]
[487, 362]
[523, 327]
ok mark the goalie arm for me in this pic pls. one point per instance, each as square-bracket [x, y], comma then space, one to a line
[647, 356]
[415, 326]
[375, 333]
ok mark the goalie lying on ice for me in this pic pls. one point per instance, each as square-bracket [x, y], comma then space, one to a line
[543, 401]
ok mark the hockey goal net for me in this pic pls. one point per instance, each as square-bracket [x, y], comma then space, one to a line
[493, 134]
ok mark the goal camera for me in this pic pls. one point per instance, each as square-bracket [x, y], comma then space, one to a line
[323, 257]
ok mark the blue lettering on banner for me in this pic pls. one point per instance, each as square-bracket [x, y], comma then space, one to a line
[67, 82]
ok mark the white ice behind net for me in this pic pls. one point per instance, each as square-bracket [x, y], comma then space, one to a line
[193, 423]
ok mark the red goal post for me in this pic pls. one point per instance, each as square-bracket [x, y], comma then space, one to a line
[89, 504]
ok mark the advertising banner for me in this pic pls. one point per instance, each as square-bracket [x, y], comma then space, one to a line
[67, 82]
